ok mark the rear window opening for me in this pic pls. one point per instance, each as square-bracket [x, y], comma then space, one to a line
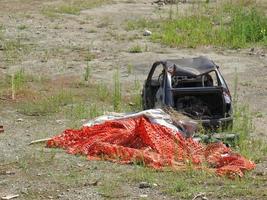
[205, 80]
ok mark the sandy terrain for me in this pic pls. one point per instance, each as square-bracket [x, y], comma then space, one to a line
[57, 47]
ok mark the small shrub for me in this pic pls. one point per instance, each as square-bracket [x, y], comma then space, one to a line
[135, 49]
[22, 27]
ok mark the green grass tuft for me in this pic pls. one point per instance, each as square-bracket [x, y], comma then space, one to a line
[87, 73]
[136, 49]
[22, 27]
[117, 96]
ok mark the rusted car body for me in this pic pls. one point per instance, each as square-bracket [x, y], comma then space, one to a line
[192, 86]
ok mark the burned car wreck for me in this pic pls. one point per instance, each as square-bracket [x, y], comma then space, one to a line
[192, 86]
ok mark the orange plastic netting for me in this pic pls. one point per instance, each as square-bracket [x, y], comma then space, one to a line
[138, 140]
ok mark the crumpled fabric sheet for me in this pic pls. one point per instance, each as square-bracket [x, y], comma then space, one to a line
[140, 138]
[155, 116]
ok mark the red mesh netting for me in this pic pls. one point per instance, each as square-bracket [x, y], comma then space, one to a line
[138, 140]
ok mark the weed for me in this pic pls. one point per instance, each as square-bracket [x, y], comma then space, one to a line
[104, 22]
[14, 49]
[71, 7]
[2, 27]
[17, 82]
[234, 25]
[258, 114]
[243, 127]
[141, 174]
[89, 56]
[129, 68]
[92, 30]
[37, 158]
[1, 35]
[22, 27]
[179, 186]
[83, 111]
[136, 96]
[68, 9]
[103, 92]
[45, 105]
[116, 35]
[49, 12]
[112, 189]
[20, 79]
[136, 49]
[87, 73]
[235, 97]
[117, 97]
[146, 48]
[140, 23]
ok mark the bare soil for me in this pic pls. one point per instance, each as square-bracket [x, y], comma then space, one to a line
[58, 49]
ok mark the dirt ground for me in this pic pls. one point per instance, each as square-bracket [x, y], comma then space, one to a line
[57, 49]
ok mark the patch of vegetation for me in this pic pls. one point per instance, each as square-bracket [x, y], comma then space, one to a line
[87, 73]
[135, 49]
[1, 34]
[187, 184]
[117, 97]
[15, 84]
[45, 105]
[103, 92]
[135, 96]
[37, 158]
[72, 7]
[112, 189]
[105, 21]
[129, 68]
[89, 56]
[22, 27]
[243, 126]
[20, 78]
[14, 49]
[83, 111]
[234, 25]
[140, 24]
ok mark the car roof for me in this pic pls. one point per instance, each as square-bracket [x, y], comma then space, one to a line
[191, 66]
